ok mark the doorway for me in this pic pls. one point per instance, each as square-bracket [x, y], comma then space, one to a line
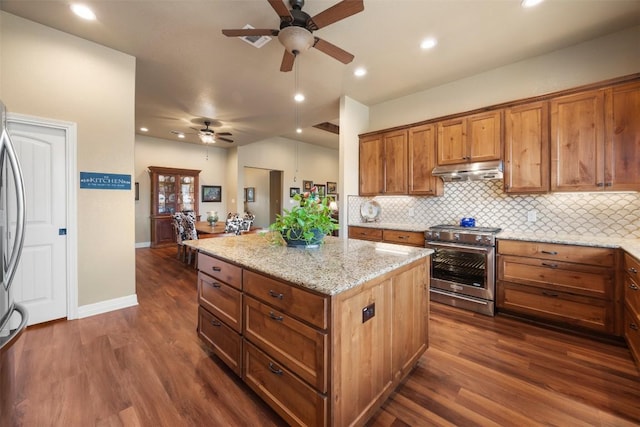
[266, 194]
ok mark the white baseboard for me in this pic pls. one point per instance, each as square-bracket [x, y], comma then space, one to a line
[107, 306]
[143, 245]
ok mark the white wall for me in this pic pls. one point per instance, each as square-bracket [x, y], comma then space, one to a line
[600, 59]
[211, 161]
[51, 74]
[313, 163]
[259, 180]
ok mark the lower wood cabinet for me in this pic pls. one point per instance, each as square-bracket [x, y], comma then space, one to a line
[631, 274]
[568, 285]
[409, 238]
[317, 360]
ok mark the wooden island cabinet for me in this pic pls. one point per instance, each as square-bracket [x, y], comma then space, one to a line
[632, 305]
[327, 351]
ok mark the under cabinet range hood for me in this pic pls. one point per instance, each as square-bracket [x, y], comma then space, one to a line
[477, 171]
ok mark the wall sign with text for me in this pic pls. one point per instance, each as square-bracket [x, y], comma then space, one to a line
[105, 181]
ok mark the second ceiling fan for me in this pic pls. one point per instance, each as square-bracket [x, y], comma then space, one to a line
[296, 28]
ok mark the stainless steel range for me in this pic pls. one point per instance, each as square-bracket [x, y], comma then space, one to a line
[463, 266]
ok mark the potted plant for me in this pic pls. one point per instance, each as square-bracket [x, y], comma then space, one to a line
[308, 223]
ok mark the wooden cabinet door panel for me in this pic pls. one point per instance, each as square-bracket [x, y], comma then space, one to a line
[295, 401]
[365, 233]
[577, 142]
[422, 160]
[526, 150]
[223, 341]
[221, 300]
[575, 278]
[604, 257]
[410, 238]
[632, 331]
[221, 270]
[622, 161]
[591, 313]
[302, 349]
[371, 166]
[485, 136]
[395, 163]
[452, 142]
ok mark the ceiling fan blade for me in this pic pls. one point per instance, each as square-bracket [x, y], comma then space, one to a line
[333, 51]
[281, 9]
[223, 133]
[335, 13]
[250, 32]
[287, 61]
[225, 140]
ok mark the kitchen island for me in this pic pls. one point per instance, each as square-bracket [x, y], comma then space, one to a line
[325, 335]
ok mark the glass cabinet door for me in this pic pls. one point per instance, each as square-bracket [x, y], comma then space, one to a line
[187, 190]
[167, 194]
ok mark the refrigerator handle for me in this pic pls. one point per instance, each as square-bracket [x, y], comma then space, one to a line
[20, 211]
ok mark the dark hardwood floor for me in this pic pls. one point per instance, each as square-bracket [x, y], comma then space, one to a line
[144, 366]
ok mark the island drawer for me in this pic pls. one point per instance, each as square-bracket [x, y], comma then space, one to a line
[604, 257]
[632, 331]
[365, 233]
[223, 341]
[556, 275]
[295, 401]
[304, 305]
[412, 238]
[221, 270]
[632, 267]
[301, 348]
[560, 307]
[221, 300]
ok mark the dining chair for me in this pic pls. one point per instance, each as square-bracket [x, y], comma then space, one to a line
[178, 230]
[190, 233]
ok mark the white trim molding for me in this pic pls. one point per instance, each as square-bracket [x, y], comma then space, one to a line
[107, 306]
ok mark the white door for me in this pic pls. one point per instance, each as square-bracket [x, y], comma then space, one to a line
[40, 283]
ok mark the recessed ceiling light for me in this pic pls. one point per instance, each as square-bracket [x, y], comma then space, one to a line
[83, 12]
[359, 72]
[531, 3]
[298, 97]
[428, 43]
[181, 135]
[143, 129]
[299, 130]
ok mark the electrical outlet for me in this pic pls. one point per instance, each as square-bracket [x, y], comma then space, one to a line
[532, 216]
[412, 212]
[368, 312]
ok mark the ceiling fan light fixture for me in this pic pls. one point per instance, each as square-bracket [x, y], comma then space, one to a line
[206, 138]
[295, 39]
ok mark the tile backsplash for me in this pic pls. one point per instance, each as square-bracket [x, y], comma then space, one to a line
[594, 214]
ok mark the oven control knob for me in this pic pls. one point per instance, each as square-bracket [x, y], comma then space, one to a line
[478, 238]
[456, 236]
[437, 235]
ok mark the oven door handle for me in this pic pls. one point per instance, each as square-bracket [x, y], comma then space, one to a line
[466, 248]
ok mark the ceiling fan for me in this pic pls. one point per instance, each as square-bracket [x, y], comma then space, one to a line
[206, 135]
[296, 28]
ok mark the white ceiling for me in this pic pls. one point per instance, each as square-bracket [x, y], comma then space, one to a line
[187, 70]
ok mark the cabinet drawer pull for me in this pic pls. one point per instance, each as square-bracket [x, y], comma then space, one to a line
[633, 270]
[550, 294]
[546, 264]
[403, 237]
[214, 322]
[633, 287]
[216, 268]
[608, 184]
[273, 368]
[633, 326]
[215, 284]
[274, 317]
[274, 294]
[600, 184]
[550, 252]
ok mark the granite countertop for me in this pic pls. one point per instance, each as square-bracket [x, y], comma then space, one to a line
[334, 267]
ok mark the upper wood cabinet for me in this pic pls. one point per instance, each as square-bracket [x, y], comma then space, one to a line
[422, 160]
[371, 173]
[383, 163]
[577, 142]
[474, 138]
[526, 148]
[622, 143]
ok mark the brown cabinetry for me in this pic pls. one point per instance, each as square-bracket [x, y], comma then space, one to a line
[562, 284]
[474, 138]
[409, 238]
[316, 359]
[422, 160]
[632, 305]
[383, 163]
[526, 148]
[172, 190]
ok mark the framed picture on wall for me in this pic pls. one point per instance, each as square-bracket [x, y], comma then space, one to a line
[321, 190]
[293, 191]
[306, 185]
[211, 193]
[250, 194]
[332, 187]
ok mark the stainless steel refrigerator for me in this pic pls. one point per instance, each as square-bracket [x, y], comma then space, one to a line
[13, 316]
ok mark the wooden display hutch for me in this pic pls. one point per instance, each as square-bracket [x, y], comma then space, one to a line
[172, 190]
